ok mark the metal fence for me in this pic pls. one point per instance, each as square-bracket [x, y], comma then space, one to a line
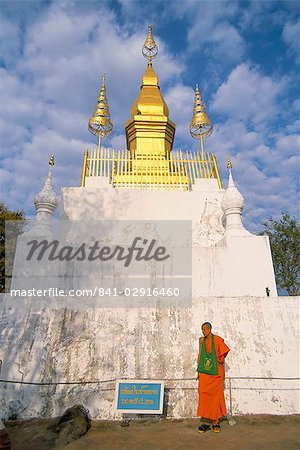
[177, 171]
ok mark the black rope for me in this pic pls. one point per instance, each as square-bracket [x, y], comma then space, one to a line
[55, 383]
[262, 378]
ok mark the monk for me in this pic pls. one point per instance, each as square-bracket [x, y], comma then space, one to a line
[211, 375]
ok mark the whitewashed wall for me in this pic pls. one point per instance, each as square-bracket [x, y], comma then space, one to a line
[42, 345]
[222, 266]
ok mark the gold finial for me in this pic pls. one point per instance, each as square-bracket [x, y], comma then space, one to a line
[51, 160]
[200, 126]
[229, 165]
[149, 49]
[99, 123]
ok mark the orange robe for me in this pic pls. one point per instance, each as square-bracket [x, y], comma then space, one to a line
[211, 404]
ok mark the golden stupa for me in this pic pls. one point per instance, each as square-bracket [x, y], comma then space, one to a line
[150, 134]
[149, 131]
[149, 162]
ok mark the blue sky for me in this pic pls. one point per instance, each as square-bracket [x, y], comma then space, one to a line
[244, 55]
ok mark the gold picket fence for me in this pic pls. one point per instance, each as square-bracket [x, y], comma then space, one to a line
[178, 171]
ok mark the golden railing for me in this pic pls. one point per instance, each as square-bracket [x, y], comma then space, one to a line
[179, 171]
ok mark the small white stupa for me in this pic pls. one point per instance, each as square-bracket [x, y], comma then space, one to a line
[232, 205]
[45, 203]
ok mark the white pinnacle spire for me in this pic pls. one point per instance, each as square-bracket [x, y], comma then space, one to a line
[232, 204]
[46, 196]
[45, 203]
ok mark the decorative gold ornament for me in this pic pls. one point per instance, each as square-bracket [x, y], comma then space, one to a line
[150, 48]
[51, 160]
[200, 126]
[229, 165]
[100, 124]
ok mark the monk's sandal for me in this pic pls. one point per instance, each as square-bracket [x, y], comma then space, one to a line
[203, 428]
[216, 428]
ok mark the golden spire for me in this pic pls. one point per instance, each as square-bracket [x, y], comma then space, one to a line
[150, 100]
[149, 130]
[99, 123]
[51, 163]
[200, 126]
[51, 160]
[150, 49]
[229, 164]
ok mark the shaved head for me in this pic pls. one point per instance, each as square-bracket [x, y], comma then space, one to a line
[206, 329]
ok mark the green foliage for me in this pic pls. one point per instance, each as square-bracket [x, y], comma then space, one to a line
[12, 224]
[284, 235]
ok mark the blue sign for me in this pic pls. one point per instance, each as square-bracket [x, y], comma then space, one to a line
[139, 396]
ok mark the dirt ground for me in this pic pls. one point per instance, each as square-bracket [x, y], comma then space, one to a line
[257, 432]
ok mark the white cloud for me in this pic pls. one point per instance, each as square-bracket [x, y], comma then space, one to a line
[118, 141]
[20, 103]
[249, 95]
[11, 135]
[228, 44]
[59, 33]
[291, 36]
[296, 104]
[288, 144]
[212, 30]
[9, 40]
[294, 127]
[180, 101]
